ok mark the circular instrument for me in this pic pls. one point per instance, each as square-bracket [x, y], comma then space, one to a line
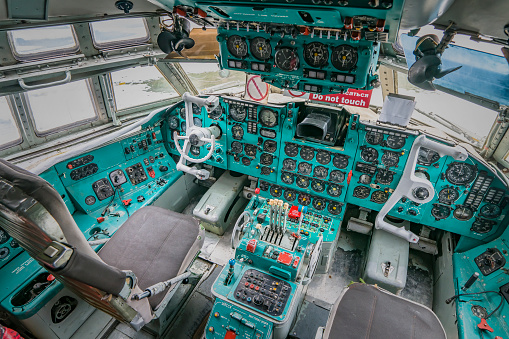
[290, 195]
[379, 197]
[463, 213]
[307, 153]
[291, 150]
[340, 161]
[361, 192]
[427, 157]
[260, 48]
[196, 109]
[319, 204]
[236, 147]
[302, 182]
[384, 177]
[320, 172]
[216, 113]
[490, 211]
[287, 178]
[182, 113]
[448, 195]
[289, 164]
[266, 159]
[276, 191]
[304, 199]
[195, 150]
[374, 138]
[237, 46]
[173, 122]
[344, 57]
[250, 150]
[459, 173]
[369, 154]
[286, 59]
[365, 179]
[323, 157]
[197, 122]
[395, 142]
[440, 211]
[304, 168]
[183, 126]
[482, 226]
[479, 311]
[337, 176]
[420, 193]
[268, 117]
[317, 185]
[334, 190]
[238, 113]
[316, 54]
[334, 208]
[237, 132]
[390, 159]
[246, 161]
[264, 186]
[270, 146]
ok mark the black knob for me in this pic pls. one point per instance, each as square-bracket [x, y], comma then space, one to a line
[141, 198]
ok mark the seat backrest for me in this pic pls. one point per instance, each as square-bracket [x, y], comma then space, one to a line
[34, 214]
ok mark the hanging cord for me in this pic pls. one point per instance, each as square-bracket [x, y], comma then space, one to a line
[451, 299]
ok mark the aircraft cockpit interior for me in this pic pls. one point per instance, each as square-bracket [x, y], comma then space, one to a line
[298, 169]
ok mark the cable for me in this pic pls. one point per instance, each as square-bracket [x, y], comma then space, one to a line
[109, 204]
[125, 207]
[451, 299]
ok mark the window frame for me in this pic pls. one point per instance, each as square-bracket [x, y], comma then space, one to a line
[121, 43]
[18, 141]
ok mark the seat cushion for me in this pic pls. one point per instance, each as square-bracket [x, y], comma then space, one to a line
[153, 243]
[367, 312]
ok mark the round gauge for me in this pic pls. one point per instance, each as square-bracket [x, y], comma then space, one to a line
[216, 113]
[265, 170]
[323, 157]
[287, 178]
[369, 154]
[289, 164]
[319, 204]
[384, 177]
[264, 186]
[236, 147]
[260, 48]
[90, 200]
[183, 113]
[479, 311]
[395, 142]
[365, 179]
[195, 150]
[266, 159]
[237, 132]
[390, 159]
[183, 126]
[334, 190]
[463, 213]
[14, 244]
[337, 176]
[426, 156]
[320, 172]
[268, 117]
[317, 186]
[379, 197]
[340, 161]
[290, 195]
[334, 208]
[196, 109]
[197, 122]
[3, 236]
[237, 46]
[307, 153]
[448, 195]
[459, 173]
[302, 182]
[250, 150]
[238, 113]
[270, 146]
[173, 122]
[361, 192]
[291, 150]
[286, 59]
[344, 57]
[304, 168]
[304, 199]
[276, 191]
[482, 226]
[440, 211]
[420, 193]
[316, 54]
[490, 211]
[246, 161]
[374, 138]
[4, 252]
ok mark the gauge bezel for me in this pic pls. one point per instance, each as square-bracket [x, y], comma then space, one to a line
[235, 53]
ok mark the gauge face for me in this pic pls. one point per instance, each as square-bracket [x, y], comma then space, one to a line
[236, 147]
[337, 176]
[196, 109]
[334, 190]
[340, 161]
[290, 195]
[369, 154]
[173, 122]
[291, 150]
[266, 159]
[361, 192]
[270, 146]
[195, 150]
[395, 142]
[490, 211]
[217, 113]
[420, 193]
[384, 177]
[238, 113]
[365, 179]
[374, 138]
[260, 48]
[379, 197]
[482, 226]
[286, 59]
[268, 117]
[246, 161]
[390, 159]
[265, 170]
[323, 157]
[334, 208]
[448, 195]
[287, 178]
[264, 186]
[479, 311]
[302, 182]
[183, 113]
[250, 150]
[289, 165]
[317, 185]
[316, 54]
[459, 173]
[307, 153]
[463, 213]
[440, 211]
[183, 126]
[3, 236]
[237, 132]
[344, 57]
[319, 204]
[304, 199]
[276, 191]
[320, 172]
[14, 244]
[304, 168]
[427, 157]
[237, 46]
[197, 122]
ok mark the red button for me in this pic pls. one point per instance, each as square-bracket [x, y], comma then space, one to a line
[50, 277]
[257, 288]
[257, 190]
[246, 284]
[296, 262]
[100, 220]
[230, 335]
[252, 286]
[285, 258]
[251, 246]
[294, 212]
[154, 135]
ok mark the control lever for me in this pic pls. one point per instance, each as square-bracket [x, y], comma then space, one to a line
[410, 183]
[470, 281]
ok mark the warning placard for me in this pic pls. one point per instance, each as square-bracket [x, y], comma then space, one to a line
[256, 89]
[352, 97]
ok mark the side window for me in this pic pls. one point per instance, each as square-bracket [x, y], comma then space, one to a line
[61, 107]
[9, 132]
[119, 32]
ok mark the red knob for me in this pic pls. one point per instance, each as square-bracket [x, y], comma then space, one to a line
[257, 190]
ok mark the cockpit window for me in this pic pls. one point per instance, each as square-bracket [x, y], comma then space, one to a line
[207, 78]
[61, 107]
[43, 42]
[119, 32]
[9, 132]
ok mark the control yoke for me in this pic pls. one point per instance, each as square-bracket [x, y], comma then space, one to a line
[196, 136]
[419, 190]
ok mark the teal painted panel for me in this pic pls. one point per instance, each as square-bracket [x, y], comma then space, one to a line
[53, 178]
